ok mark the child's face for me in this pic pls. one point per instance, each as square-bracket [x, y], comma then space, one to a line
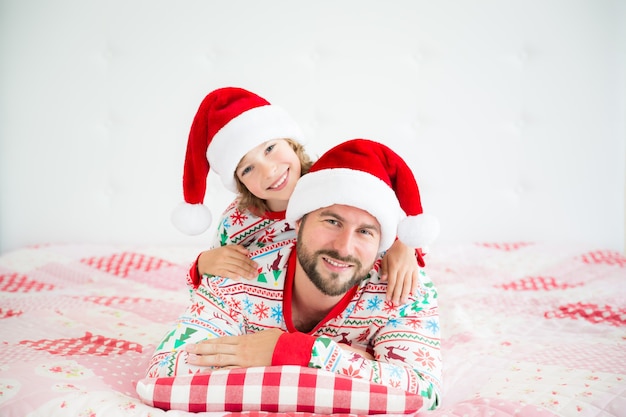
[270, 172]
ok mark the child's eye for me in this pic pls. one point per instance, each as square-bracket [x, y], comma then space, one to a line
[246, 170]
[270, 148]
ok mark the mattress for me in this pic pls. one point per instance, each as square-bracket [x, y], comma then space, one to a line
[528, 329]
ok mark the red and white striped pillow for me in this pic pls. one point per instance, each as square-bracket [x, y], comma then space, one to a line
[286, 388]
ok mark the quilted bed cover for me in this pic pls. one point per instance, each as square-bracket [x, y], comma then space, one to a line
[528, 329]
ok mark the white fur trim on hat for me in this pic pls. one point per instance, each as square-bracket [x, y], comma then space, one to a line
[191, 219]
[348, 187]
[245, 132]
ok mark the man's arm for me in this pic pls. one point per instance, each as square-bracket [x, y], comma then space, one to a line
[207, 317]
[407, 353]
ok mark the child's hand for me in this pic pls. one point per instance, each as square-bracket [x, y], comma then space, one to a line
[229, 261]
[399, 267]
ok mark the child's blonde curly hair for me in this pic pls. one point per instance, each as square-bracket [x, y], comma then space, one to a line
[249, 201]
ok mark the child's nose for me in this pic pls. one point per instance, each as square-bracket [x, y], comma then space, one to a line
[269, 169]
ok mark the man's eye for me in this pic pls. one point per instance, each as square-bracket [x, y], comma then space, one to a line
[366, 232]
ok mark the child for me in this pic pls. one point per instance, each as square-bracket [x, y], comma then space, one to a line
[257, 150]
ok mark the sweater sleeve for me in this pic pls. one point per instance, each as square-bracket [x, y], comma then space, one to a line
[293, 349]
[208, 316]
[193, 276]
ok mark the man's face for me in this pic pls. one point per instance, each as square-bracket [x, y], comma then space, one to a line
[337, 247]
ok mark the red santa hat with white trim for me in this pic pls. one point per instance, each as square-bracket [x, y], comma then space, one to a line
[370, 176]
[229, 123]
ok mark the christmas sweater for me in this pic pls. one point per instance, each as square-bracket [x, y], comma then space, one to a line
[404, 340]
[242, 227]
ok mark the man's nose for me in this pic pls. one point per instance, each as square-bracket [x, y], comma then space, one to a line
[343, 243]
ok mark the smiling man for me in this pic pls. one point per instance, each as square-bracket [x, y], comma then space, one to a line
[320, 302]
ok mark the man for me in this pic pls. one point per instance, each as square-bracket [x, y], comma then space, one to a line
[323, 305]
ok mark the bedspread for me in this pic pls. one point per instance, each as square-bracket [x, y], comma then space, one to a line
[528, 329]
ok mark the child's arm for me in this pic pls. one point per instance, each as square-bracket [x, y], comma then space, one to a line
[230, 261]
[225, 258]
[400, 268]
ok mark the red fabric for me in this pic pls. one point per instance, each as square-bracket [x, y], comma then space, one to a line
[293, 349]
[420, 257]
[193, 277]
[217, 109]
[275, 389]
[380, 161]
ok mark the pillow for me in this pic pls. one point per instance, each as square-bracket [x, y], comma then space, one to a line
[286, 388]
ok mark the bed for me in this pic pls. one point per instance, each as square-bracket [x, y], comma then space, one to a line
[528, 328]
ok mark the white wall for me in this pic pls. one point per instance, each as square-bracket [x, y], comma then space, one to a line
[511, 113]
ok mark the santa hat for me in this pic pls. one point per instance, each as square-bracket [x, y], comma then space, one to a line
[370, 176]
[228, 124]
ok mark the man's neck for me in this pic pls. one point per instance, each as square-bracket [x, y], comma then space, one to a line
[309, 306]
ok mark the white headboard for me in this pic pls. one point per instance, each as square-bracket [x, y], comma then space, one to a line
[511, 113]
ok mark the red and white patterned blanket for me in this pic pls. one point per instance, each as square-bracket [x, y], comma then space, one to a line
[528, 329]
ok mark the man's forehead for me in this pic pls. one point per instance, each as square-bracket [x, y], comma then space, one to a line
[348, 213]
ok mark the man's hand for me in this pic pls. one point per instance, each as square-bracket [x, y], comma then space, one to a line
[255, 349]
[230, 261]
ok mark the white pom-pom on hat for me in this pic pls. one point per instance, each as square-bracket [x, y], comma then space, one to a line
[191, 219]
[418, 231]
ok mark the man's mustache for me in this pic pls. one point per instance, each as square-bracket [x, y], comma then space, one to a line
[335, 255]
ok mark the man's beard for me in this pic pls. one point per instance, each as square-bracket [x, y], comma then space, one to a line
[331, 286]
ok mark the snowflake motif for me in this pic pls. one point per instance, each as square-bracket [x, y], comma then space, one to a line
[395, 372]
[247, 305]
[268, 236]
[350, 371]
[197, 309]
[389, 307]
[238, 217]
[374, 303]
[277, 313]
[425, 359]
[414, 323]
[393, 322]
[433, 326]
[260, 310]
[350, 309]
[358, 306]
